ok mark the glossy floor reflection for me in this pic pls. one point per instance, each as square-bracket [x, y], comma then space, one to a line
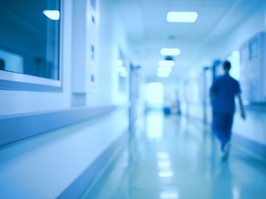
[176, 158]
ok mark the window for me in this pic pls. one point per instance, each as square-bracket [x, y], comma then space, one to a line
[29, 45]
[234, 58]
[253, 49]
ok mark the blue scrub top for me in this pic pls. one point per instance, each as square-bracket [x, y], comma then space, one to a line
[224, 90]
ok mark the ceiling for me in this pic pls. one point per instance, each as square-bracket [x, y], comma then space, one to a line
[148, 31]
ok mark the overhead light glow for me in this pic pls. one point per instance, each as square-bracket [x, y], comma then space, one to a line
[162, 155]
[52, 14]
[166, 174]
[164, 69]
[182, 17]
[169, 195]
[166, 63]
[170, 51]
[164, 164]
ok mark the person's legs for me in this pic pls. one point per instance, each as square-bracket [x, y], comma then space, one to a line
[222, 125]
[219, 124]
[228, 122]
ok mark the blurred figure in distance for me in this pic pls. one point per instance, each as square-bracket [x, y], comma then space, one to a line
[222, 93]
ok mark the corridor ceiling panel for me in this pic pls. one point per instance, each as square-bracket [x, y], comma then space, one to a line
[148, 31]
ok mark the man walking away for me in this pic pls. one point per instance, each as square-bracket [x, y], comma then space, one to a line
[223, 92]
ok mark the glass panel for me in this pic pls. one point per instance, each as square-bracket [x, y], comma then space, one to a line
[29, 37]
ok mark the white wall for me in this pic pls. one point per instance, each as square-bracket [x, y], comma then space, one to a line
[43, 167]
[111, 39]
[253, 128]
[234, 39]
[105, 58]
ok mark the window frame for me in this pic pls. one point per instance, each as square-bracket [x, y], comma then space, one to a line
[24, 82]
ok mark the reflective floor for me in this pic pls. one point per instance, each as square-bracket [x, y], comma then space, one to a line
[176, 158]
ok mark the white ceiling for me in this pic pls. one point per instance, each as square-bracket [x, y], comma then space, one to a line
[148, 31]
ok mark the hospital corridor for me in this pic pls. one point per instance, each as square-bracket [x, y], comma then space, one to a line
[176, 157]
[132, 99]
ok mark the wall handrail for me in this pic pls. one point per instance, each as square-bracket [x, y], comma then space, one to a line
[18, 127]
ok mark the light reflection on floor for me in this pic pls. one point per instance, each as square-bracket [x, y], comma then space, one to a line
[177, 158]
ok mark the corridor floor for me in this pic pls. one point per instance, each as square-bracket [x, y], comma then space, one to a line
[176, 158]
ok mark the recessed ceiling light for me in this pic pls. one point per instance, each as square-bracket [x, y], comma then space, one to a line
[166, 174]
[162, 155]
[169, 195]
[183, 17]
[164, 69]
[166, 63]
[164, 163]
[52, 14]
[170, 51]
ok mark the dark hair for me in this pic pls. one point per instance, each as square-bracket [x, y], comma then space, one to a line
[227, 65]
[2, 64]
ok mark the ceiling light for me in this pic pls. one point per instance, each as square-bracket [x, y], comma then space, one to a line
[166, 174]
[166, 63]
[52, 14]
[183, 17]
[162, 155]
[170, 51]
[164, 164]
[164, 69]
[169, 195]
